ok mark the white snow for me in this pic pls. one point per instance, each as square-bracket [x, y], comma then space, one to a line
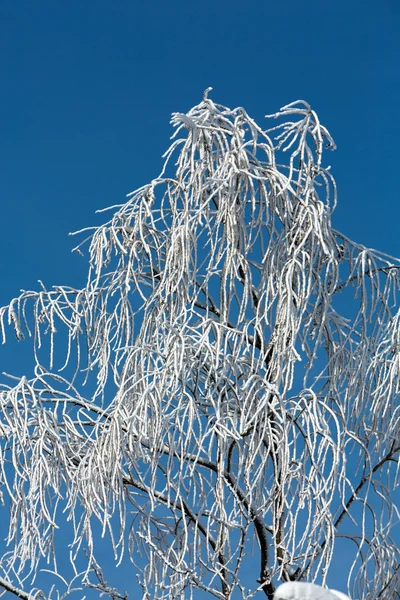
[297, 590]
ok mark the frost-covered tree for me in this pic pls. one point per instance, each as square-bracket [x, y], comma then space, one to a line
[220, 401]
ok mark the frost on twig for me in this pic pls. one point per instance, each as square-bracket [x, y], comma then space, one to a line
[229, 373]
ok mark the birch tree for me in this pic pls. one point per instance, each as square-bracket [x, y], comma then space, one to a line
[220, 400]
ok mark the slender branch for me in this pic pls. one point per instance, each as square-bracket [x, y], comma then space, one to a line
[364, 480]
[265, 575]
[393, 575]
[300, 573]
[15, 590]
[385, 270]
[184, 508]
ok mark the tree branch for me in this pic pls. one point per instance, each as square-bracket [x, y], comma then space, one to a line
[15, 590]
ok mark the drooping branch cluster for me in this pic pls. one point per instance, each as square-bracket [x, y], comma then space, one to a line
[228, 357]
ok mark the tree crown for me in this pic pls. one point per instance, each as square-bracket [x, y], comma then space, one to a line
[229, 355]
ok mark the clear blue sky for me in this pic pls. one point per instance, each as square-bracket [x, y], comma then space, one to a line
[87, 88]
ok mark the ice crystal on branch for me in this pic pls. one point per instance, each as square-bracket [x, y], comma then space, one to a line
[229, 356]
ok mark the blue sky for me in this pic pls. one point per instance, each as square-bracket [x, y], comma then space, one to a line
[87, 89]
